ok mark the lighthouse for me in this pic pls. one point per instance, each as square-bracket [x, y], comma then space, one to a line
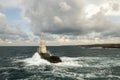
[42, 47]
[42, 50]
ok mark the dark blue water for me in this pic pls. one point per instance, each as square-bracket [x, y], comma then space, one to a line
[24, 63]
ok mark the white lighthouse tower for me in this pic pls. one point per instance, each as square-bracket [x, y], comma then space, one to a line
[42, 50]
[42, 47]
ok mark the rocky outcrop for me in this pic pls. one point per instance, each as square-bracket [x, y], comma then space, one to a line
[52, 59]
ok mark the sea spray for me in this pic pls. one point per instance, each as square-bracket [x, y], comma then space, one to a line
[35, 60]
[71, 67]
[99, 62]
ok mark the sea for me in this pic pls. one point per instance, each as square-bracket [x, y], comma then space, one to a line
[78, 63]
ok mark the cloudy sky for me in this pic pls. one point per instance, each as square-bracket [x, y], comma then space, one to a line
[62, 22]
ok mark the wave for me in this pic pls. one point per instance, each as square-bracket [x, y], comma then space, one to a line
[34, 60]
[99, 62]
[74, 68]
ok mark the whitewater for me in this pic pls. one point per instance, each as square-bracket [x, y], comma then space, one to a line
[24, 63]
[73, 61]
[97, 67]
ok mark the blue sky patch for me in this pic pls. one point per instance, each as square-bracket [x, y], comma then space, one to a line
[13, 14]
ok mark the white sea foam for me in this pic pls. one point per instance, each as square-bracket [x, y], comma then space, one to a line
[114, 76]
[73, 61]
[35, 60]
[101, 64]
[68, 64]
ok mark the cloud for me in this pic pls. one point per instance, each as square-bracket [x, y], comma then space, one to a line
[64, 6]
[57, 20]
[1, 7]
[10, 3]
[64, 21]
[73, 21]
[67, 17]
[53, 16]
[8, 32]
[12, 34]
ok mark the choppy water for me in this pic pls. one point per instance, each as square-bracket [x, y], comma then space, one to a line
[24, 63]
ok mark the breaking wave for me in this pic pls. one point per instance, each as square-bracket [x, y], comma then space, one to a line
[73, 61]
[35, 60]
[17, 63]
[71, 68]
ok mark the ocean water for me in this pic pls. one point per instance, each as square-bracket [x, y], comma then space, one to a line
[24, 63]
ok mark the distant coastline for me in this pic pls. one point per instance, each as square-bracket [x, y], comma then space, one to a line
[101, 45]
[84, 45]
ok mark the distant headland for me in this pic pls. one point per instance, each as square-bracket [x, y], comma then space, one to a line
[101, 45]
[108, 45]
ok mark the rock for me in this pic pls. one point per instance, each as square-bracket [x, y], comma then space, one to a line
[52, 59]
